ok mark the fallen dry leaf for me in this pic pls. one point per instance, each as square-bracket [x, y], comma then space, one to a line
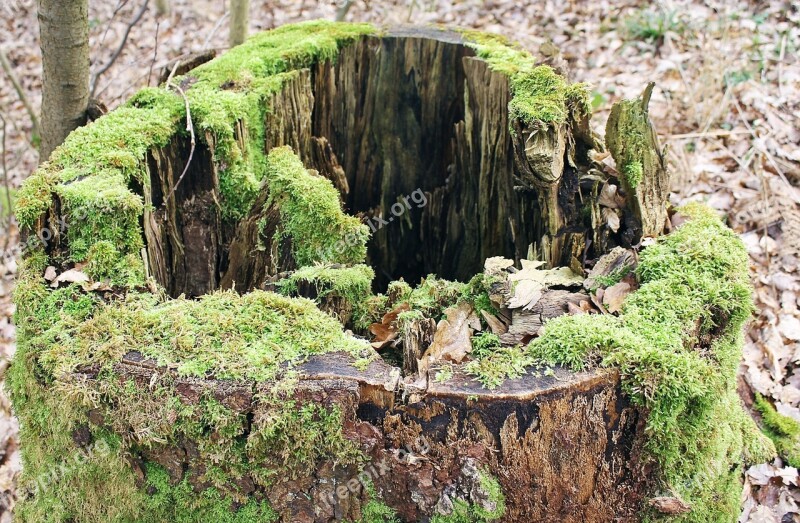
[495, 325]
[526, 294]
[70, 276]
[50, 273]
[386, 331]
[614, 296]
[452, 339]
[669, 505]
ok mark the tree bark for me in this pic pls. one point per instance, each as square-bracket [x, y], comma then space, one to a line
[162, 7]
[64, 33]
[648, 196]
[240, 20]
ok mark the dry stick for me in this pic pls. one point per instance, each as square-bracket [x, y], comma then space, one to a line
[116, 54]
[20, 92]
[189, 127]
[706, 134]
[155, 55]
[214, 30]
[755, 143]
[6, 184]
[120, 5]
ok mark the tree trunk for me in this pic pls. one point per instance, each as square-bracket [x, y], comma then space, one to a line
[162, 7]
[414, 129]
[64, 33]
[240, 20]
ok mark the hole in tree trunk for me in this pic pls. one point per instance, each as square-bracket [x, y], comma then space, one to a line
[413, 129]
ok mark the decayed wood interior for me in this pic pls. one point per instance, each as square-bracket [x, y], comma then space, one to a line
[394, 117]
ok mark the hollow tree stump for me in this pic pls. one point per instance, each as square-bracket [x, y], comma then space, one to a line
[152, 347]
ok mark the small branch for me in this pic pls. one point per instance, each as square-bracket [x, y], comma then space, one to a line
[214, 30]
[116, 54]
[189, 127]
[6, 183]
[21, 93]
[155, 55]
[120, 5]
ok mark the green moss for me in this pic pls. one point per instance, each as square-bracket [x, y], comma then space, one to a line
[311, 213]
[91, 174]
[221, 334]
[235, 87]
[628, 148]
[290, 438]
[105, 264]
[258, 336]
[181, 504]
[782, 430]
[431, 297]
[484, 344]
[539, 94]
[677, 345]
[634, 172]
[93, 170]
[444, 374]
[351, 285]
[492, 368]
[375, 510]
[611, 279]
[491, 510]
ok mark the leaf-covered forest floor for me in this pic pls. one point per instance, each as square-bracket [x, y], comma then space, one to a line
[727, 104]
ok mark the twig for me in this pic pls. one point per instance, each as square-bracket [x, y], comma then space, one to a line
[21, 93]
[120, 5]
[706, 134]
[341, 11]
[116, 54]
[780, 66]
[215, 29]
[6, 184]
[155, 55]
[753, 134]
[189, 127]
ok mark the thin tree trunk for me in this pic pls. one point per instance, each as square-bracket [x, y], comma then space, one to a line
[240, 19]
[64, 32]
[162, 7]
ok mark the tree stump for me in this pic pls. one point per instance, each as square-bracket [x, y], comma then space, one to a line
[159, 377]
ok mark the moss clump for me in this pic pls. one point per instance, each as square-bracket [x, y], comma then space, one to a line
[375, 510]
[492, 509]
[291, 438]
[782, 430]
[104, 263]
[93, 170]
[677, 345]
[630, 145]
[179, 503]
[492, 368]
[611, 279]
[311, 213]
[539, 94]
[350, 283]
[260, 336]
[222, 334]
[236, 86]
[91, 173]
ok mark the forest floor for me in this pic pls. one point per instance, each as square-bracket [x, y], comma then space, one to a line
[727, 104]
